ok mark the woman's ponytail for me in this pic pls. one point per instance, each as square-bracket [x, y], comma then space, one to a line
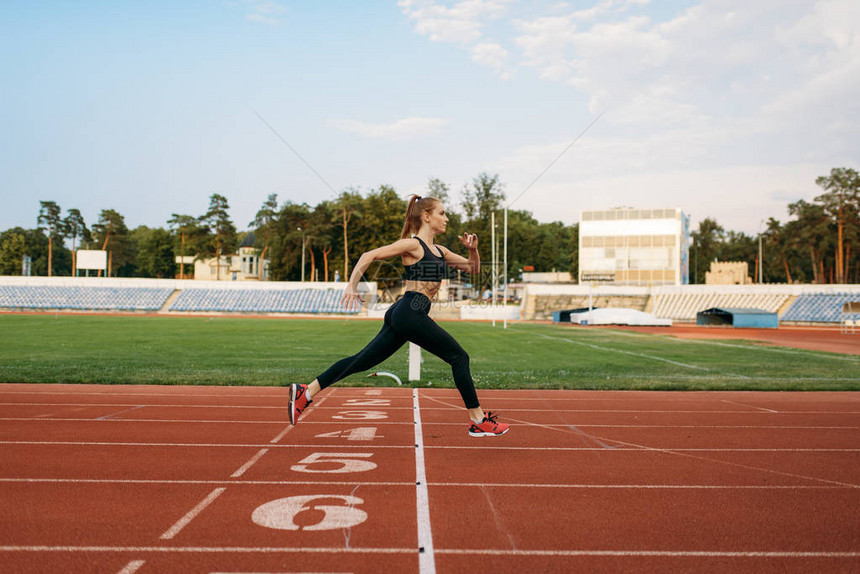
[414, 209]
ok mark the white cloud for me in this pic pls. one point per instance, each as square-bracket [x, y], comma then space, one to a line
[493, 56]
[715, 105]
[260, 11]
[401, 130]
[717, 59]
[460, 23]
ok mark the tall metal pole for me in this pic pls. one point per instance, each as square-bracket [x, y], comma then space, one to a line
[493, 263]
[505, 271]
[303, 254]
[760, 260]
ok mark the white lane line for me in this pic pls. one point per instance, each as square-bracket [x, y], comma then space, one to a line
[197, 421]
[212, 549]
[158, 421]
[810, 353]
[693, 456]
[5, 389]
[101, 418]
[612, 426]
[132, 567]
[130, 394]
[192, 481]
[680, 412]
[555, 426]
[463, 551]
[610, 396]
[750, 406]
[426, 558]
[186, 444]
[647, 486]
[171, 406]
[644, 451]
[192, 514]
[283, 433]
[642, 355]
[574, 396]
[250, 463]
[500, 447]
[730, 463]
[644, 553]
[451, 484]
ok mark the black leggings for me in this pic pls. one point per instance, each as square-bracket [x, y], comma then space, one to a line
[408, 320]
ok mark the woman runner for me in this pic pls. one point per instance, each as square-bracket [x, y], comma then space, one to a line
[408, 320]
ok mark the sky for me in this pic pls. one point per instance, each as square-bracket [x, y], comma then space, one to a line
[728, 109]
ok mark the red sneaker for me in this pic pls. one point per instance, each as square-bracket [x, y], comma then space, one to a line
[299, 401]
[488, 427]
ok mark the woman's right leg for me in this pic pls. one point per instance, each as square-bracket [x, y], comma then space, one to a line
[380, 348]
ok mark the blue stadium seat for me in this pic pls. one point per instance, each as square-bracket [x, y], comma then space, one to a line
[818, 307]
[83, 298]
[260, 301]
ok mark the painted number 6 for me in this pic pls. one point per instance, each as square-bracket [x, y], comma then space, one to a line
[281, 514]
[343, 461]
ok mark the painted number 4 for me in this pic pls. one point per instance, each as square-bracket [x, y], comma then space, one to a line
[360, 433]
[361, 415]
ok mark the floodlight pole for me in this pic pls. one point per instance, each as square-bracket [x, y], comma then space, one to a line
[493, 264]
[505, 271]
[303, 254]
[760, 260]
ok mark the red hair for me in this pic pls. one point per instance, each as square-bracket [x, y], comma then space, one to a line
[416, 207]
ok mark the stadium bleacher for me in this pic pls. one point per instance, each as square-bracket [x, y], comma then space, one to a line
[134, 298]
[83, 298]
[818, 307]
[325, 301]
[685, 306]
[794, 303]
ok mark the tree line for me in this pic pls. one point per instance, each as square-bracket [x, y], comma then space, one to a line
[819, 244]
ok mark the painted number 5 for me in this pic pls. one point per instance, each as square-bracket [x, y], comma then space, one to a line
[335, 462]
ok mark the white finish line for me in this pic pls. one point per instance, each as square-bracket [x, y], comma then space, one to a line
[426, 557]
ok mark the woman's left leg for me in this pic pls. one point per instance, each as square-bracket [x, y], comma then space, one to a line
[420, 329]
[425, 332]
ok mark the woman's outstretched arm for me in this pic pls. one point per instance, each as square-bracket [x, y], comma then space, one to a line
[470, 265]
[351, 297]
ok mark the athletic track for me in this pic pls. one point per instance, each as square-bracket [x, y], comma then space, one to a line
[122, 479]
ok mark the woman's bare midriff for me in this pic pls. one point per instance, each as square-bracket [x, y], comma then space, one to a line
[426, 288]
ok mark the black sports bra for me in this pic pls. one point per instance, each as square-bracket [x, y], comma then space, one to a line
[429, 268]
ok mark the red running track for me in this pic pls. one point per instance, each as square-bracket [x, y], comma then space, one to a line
[212, 479]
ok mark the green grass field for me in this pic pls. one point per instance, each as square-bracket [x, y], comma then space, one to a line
[240, 351]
